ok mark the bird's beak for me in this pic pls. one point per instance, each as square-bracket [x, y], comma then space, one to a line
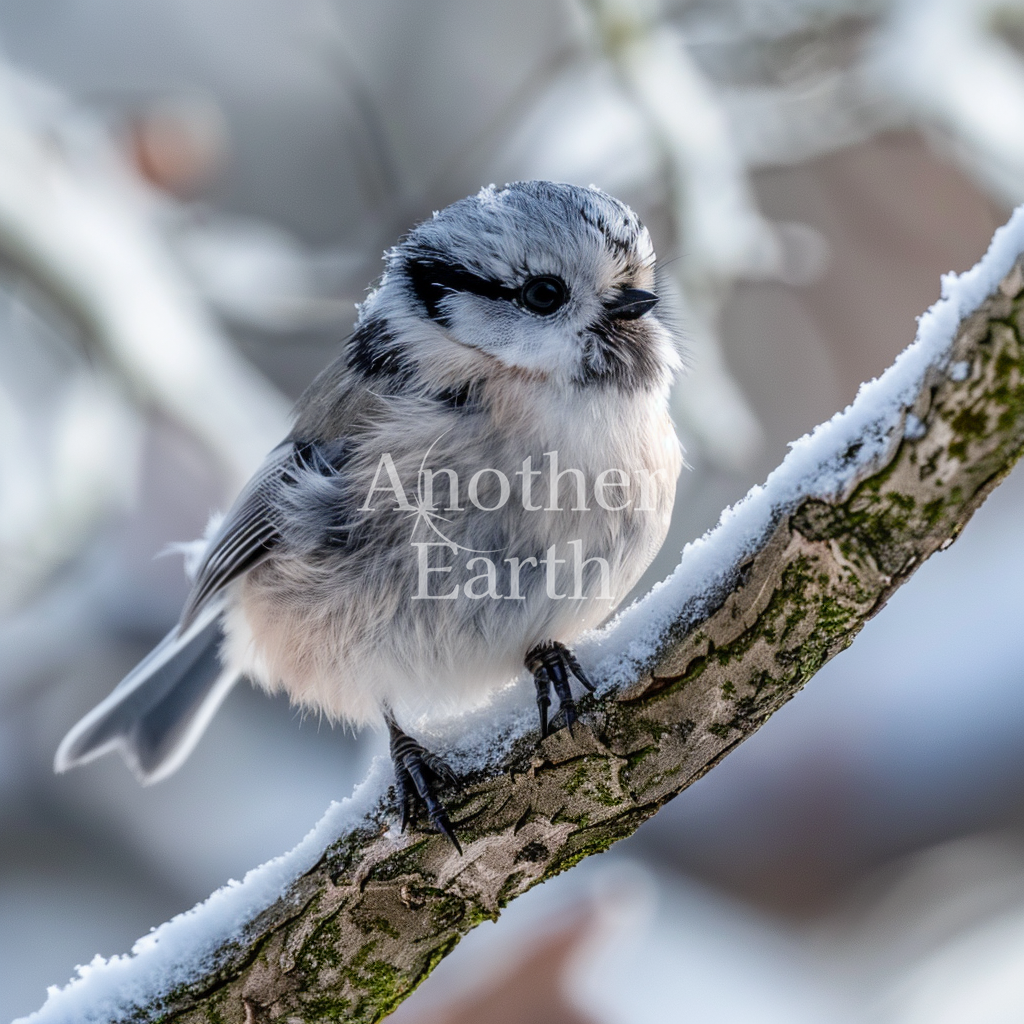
[631, 304]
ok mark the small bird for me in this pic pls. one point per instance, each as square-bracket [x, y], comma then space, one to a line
[482, 474]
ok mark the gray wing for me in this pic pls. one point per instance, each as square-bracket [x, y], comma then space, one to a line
[294, 491]
[249, 533]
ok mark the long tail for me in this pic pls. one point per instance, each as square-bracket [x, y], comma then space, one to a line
[157, 713]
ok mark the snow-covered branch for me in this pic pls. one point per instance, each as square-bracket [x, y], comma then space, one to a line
[348, 923]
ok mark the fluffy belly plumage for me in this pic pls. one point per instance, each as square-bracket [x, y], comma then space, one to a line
[433, 629]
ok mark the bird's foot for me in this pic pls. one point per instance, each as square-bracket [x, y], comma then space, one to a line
[553, 664]
[417, 773]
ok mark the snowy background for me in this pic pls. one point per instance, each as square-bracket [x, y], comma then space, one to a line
[192, 196]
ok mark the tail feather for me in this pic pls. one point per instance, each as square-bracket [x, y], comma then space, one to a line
[156, 714]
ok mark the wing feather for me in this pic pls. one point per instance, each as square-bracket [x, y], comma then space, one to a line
[251, 530]
[254, 525]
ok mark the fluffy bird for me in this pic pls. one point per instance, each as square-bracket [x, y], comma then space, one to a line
[482, 474]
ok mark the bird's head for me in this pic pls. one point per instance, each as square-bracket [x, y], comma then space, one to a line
[551, 279]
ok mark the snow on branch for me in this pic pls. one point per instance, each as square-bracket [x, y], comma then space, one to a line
[350, 921]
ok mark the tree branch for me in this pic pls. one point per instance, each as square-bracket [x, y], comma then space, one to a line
[347, 926]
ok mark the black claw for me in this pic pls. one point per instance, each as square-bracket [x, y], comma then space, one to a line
[567, 709]
[577, 670]
[551, 664]
[543, 684]
[569, 716]
[417, 771]
[444, 826]
[441, 769]
[404, 786]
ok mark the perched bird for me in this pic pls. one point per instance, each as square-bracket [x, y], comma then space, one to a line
[482, 474]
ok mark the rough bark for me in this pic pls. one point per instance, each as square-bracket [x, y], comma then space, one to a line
[355, 935]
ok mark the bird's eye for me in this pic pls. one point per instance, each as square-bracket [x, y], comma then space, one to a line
[543, 295]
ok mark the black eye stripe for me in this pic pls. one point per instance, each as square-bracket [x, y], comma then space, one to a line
[432, 279]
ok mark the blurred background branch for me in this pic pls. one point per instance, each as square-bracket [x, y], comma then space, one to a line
[77, 233]
[194, 192]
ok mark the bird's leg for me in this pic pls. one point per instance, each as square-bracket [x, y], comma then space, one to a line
[417, 772]
[543, 683]
[553, 664]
